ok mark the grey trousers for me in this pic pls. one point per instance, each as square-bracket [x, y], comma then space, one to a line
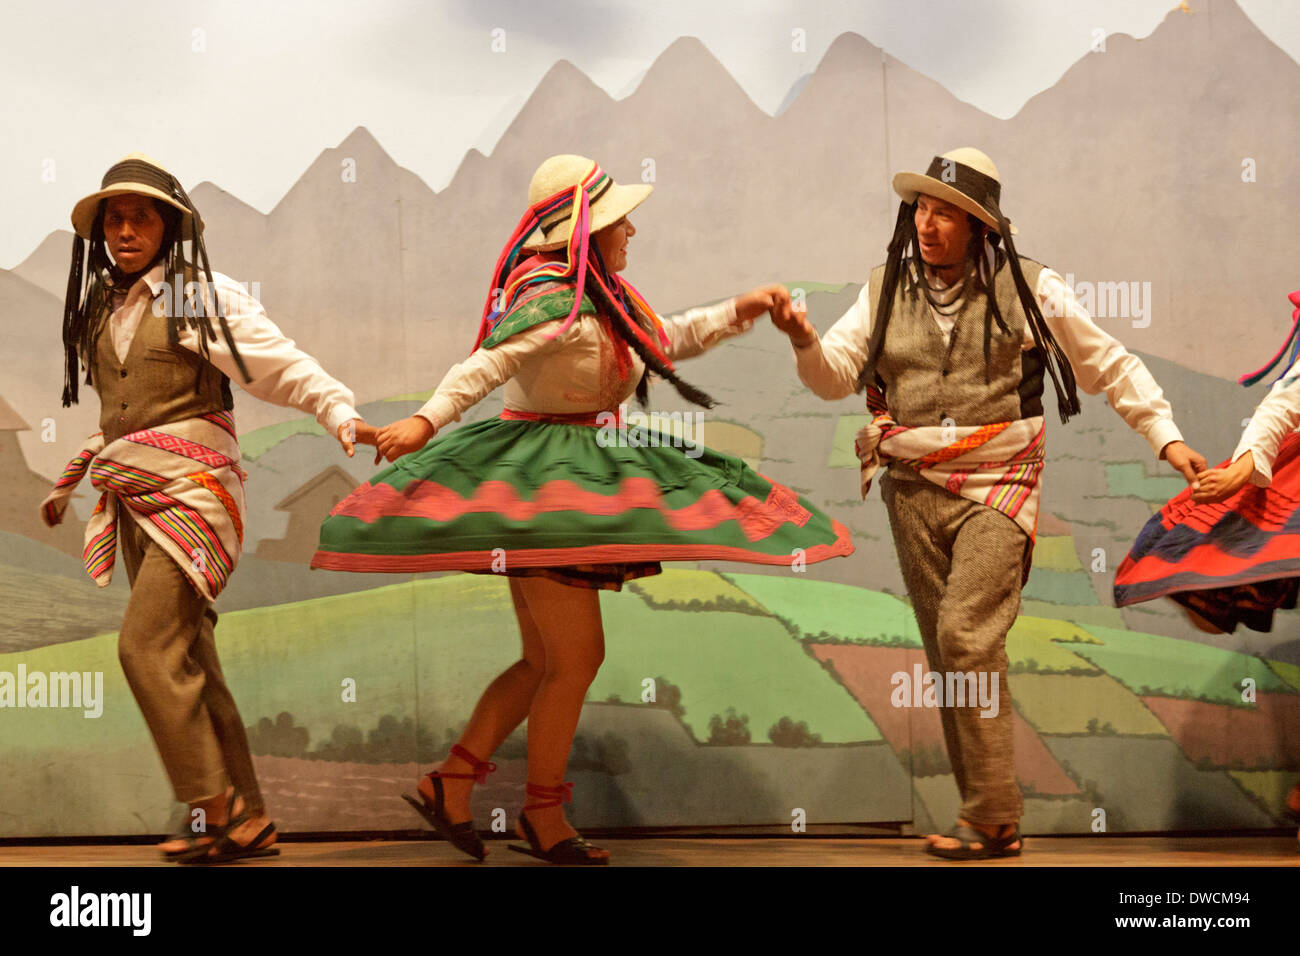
[963, 563]
[169, 657]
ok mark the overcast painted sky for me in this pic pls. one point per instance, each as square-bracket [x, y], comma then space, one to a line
[246, 93]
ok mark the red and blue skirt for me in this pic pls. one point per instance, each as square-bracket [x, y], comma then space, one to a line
[1234, 562]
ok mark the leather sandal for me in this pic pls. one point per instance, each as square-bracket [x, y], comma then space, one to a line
[228, 850]
[576, 850]
[192, 845]
[462, 836]
[991, 847]
[210, 835]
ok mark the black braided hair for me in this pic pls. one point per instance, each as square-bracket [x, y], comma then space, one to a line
[90, 285]
[621, 315]
[1050, 353]
[905, 248]
[200, 321]
[981, 274]
[74, 322]
[83, 314]
[903, 239]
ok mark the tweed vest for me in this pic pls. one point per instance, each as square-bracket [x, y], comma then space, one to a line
[155, 385]
[929, 378]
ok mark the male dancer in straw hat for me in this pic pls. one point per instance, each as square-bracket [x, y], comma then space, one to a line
[167, 463]
[951, 338]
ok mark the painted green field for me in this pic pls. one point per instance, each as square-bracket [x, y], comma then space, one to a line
[1055, 553]
[1085, 614]
[1151, 664]
[43, 730]
[429, 647]
[1269, 787]
[258, 442]
[1035, 643]
[679, 587]
[827, 611]
[1059, 587]
[846, 429]
[1065, 704]
[1288, 672]
[724, 660]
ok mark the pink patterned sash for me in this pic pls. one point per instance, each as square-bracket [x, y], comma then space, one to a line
[183, 484]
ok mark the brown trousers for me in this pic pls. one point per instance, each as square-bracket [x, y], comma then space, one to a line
[963, 564]
[169, 657]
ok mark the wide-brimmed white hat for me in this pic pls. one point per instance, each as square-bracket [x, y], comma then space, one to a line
[133, 173]
[609, 202]
[964, 177]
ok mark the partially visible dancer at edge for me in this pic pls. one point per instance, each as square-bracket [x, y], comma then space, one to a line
[166, 462]
[1228, 548]
[952, 338]
[543, 495]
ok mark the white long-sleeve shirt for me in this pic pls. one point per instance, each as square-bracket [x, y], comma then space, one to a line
[1274, 418]
[573, 373]
[281, 373]
[830, 365]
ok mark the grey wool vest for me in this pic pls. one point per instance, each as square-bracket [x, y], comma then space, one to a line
[930, 378]
[156, 383]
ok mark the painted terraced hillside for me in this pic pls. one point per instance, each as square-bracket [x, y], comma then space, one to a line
[770, 693]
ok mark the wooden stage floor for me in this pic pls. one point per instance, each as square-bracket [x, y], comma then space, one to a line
[1111, 851]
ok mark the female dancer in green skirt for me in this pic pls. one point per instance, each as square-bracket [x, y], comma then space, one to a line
[556, 493]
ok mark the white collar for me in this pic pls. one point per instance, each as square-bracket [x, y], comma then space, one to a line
[154, 278]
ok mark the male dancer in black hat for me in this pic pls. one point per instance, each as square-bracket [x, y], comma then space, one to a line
[951, 338]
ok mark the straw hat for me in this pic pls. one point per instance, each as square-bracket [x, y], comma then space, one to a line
[133, 173]
[964, 177]
[609, 202]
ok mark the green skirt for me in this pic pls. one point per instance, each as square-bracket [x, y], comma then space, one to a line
[521, 497]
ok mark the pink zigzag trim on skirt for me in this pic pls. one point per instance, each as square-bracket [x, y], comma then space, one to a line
[560, 557]
[428, 499]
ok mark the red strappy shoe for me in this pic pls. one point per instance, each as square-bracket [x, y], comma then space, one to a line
[575, 851]
[462, 836]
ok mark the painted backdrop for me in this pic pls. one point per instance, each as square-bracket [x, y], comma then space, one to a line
[1156, 176]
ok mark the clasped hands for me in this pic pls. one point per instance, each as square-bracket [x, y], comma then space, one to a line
[391, 441]
[411, 434]
[776, 300]
[1217, 484]
[1209, 485]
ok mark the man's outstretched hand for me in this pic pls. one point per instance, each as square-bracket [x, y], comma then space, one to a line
[355, 432]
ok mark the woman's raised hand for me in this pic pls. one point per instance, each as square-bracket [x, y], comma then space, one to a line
[403, 437]
[750, 305]
[775, 299]
[791, 320]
